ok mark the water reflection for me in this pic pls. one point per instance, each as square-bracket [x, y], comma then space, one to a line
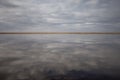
[88, 56]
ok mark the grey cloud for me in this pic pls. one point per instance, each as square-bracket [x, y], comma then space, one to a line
[37, 15]
[6, 3]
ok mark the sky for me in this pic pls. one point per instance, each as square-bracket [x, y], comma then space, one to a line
[60, 15]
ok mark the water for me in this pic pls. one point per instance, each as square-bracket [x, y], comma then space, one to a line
[59, 56]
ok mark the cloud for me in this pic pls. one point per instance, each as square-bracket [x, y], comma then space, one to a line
[54, 15]
[7, 4]
[33, 15]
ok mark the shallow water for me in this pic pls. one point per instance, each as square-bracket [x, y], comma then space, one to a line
[59, 56]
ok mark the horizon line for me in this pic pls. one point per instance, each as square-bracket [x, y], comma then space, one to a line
[59, 32]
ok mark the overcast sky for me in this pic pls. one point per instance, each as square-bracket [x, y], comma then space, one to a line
[60, 15]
